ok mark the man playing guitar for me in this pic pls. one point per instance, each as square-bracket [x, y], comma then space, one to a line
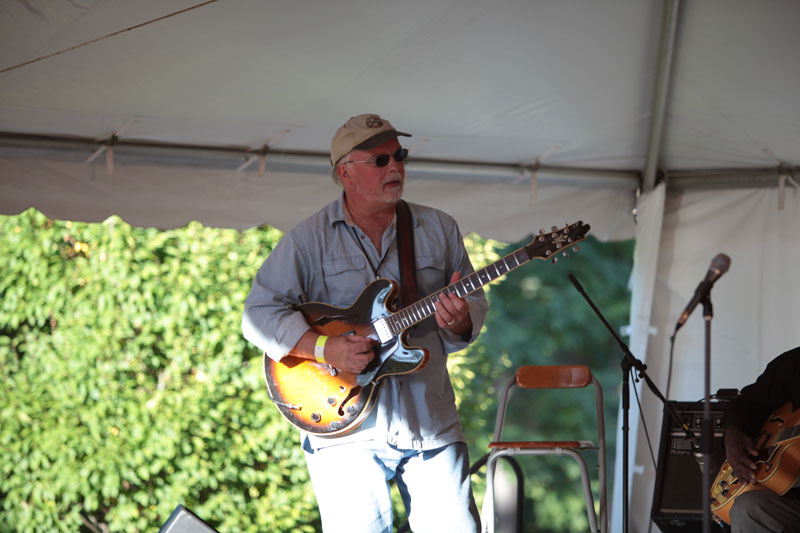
[413, 435]
[763, 510]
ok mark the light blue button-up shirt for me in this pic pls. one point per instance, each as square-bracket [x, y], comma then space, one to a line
[321, 260]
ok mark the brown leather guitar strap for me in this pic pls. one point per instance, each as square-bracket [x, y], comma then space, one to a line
[405, 255]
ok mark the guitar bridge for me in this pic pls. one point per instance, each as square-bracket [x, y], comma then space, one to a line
[383, 330]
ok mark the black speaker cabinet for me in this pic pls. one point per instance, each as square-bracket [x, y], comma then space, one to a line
[678, 497]
[182, 520]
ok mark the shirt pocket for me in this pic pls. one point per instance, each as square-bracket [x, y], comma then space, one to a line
[431, 274]
[345, 277]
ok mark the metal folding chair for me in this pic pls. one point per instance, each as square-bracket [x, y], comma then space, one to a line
[550, 377]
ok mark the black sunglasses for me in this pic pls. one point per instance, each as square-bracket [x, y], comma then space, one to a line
[383, 159]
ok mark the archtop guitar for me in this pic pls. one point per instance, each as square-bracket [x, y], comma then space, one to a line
[778, 463]
[324, 401]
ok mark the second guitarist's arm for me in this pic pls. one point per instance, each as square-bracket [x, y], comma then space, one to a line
[745, 415]
[739, 447]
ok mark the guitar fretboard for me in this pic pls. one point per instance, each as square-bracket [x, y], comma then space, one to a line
[422, 309]
[542, 246]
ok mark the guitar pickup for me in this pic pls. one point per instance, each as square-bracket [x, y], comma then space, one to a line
[383, 330]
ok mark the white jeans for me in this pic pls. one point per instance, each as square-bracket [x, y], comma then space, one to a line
[351, 482]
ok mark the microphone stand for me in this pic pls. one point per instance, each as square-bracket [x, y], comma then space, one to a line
[629, 361]
[706, 428]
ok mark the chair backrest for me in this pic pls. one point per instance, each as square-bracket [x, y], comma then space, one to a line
[553, 377]
[549, 377]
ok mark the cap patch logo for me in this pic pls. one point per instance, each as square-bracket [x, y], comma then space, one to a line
[374, 121]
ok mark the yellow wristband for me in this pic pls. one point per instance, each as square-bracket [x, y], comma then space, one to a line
[319, 349]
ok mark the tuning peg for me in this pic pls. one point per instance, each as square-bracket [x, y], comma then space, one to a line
[553, 228]
[541, 231]
[565, 254]
[555, 259]
[576, 248]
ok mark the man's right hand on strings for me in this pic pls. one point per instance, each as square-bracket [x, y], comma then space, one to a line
[351, 353]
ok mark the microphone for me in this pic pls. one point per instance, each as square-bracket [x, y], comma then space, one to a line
[719, 265]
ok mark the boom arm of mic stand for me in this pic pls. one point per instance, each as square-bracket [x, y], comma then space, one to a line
[632, 362]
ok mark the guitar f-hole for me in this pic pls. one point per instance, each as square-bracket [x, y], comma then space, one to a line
[353, 393]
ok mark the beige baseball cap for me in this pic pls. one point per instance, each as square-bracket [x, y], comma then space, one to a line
[362, 133]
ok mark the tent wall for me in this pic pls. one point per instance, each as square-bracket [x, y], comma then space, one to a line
[756, 306]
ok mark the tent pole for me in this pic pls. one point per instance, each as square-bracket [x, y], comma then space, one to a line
[669, 29]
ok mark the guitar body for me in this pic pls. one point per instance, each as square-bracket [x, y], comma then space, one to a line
[328, 402]
[778, 463]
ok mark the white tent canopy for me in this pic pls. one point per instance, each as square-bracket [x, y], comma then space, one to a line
[524, 113]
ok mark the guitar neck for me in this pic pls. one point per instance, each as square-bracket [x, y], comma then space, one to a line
[422, 309]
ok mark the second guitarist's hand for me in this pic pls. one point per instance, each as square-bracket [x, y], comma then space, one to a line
[740, 448]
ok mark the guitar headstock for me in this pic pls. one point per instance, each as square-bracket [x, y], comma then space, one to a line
[548, 245]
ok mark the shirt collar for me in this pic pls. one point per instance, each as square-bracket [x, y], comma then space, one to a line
[340, 213]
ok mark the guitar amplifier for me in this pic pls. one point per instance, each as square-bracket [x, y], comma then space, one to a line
[678, 497]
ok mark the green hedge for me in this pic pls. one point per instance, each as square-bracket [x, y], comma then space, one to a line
[128, 386]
